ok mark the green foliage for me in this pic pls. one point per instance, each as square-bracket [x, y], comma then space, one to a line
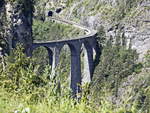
[48, 31]
[42, 58]
[69, 2]
[23, 88]
[121, 80]
[138, 67]
[116, 63]
[19, 75]
[111, 11]
[147, 59]
[101, 36]
[117, 60]
[53, 31]
[141, 92]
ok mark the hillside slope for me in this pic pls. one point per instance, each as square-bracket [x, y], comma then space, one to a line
[128, 19]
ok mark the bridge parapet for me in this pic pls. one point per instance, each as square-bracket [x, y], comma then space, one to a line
[90, 46]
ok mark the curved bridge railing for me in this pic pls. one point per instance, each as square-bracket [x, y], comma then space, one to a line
[91, 53]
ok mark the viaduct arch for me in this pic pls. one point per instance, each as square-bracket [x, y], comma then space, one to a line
[90, 48]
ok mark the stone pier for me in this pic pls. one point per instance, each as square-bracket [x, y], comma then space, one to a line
[91, 56]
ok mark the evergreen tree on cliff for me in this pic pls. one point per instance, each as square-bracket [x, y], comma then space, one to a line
[16, 19]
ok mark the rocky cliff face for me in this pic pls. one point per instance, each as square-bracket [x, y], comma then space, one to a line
[17, 23]
[2, 41]
[128, 19]
[134, 24]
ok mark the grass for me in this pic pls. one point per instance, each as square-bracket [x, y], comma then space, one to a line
[24, 90]
[47, 31]
[9, 103]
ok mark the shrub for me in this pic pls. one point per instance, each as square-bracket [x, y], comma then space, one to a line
[20, 75]
[116, 63]
[147, 59]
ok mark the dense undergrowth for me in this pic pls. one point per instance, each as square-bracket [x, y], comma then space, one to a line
[120, 83]
[24, 89]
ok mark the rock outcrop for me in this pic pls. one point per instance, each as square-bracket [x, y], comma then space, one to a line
[2, 41]
[18, 23]
[134, 27]
[127, 19]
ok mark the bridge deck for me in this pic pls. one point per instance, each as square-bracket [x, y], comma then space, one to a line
[89, 32]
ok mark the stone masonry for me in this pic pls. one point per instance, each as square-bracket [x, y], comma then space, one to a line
[90, 45]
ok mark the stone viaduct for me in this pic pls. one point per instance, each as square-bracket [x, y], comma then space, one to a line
[91, 54]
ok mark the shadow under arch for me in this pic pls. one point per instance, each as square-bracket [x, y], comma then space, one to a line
[96, 47]
[43, 55]
[88, 62]
[82, 59]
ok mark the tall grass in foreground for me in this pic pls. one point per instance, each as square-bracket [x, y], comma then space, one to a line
[24, 90]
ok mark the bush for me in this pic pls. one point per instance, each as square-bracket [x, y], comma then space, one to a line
[22, 89]
[20, 75]
[116, 63]
[147, 59]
